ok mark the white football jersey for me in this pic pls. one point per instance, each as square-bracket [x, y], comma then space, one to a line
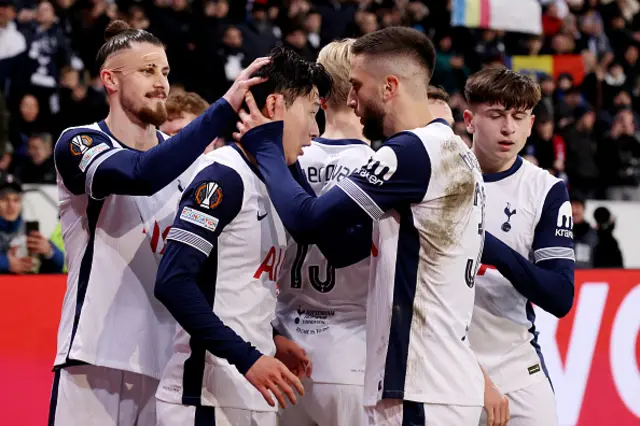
[320, 307]
[529, 210]
[226, 213]
[113, 245]
[425, 189]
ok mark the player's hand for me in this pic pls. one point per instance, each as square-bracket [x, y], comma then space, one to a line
[254, 117]
[293, 356]
[235, 94]
[269, 374]
[495, 404]
[38, 244]
[19, 265]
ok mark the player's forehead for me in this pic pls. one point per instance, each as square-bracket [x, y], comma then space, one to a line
[138, 56]
[357, 72]
[308, 100]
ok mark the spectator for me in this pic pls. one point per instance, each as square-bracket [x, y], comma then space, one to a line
[313, 25]
[258, 33]
[545, 148]
[12, 45]
[619, 157]
[581, 165]
[585, 238]
[49, 51]
[21, 253]
[38, 166]
[607, 252]
[28, 121]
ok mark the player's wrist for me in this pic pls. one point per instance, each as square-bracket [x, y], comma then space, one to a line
[263, 136]
[244, 363]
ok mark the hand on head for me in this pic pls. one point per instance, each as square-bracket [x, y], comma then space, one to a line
[254, 117]
[235, 94]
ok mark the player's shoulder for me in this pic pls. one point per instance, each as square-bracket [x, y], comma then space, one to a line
[538, 179]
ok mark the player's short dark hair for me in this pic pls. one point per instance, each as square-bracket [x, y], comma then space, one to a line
[398, 41]
[291, 76]
[502, 86]
[118, 36]
[438, 94]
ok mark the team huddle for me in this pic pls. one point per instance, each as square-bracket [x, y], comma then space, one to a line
[294, 278]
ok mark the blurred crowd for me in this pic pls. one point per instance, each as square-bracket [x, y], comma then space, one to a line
[586, 132]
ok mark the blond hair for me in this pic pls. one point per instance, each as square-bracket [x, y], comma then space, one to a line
[335, 57]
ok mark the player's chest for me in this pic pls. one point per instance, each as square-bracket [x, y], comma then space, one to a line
[511, 217]
[258, 224]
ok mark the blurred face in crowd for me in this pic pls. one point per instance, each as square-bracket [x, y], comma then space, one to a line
[141, 85]
[547, 87]
[297, 39]
[313, 22]
[233, 37]
[29, 108]
[498, 134]
[366, 97]
[577, 210]
[10, 205]
[6, 15]
[45, 14]
[441, 109]
[300, 125]
[368, 23]
[545, 129]
[38, 150]
[631, 55]
[587, 121]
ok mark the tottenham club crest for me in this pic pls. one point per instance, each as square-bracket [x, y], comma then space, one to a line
[80, 144]
[506, 227]
[209, 195]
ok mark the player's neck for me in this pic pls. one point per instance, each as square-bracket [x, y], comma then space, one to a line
[410, 115]
[134, 135]
[343, 125]
[490, 165]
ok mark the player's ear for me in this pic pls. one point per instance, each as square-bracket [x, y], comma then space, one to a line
[391, 83]
[533, 120]
[109, 81]
[468, 121]
[323, 104]
[269, 109]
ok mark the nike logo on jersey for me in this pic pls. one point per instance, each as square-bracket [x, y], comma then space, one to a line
[262, 216]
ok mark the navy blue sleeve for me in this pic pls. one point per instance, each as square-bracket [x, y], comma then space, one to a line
[184, 280]
[363, 197]
[4, 263]
[88, 163]
[549, 283]
[54, 264]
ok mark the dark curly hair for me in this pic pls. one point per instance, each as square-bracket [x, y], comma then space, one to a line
[291, 76]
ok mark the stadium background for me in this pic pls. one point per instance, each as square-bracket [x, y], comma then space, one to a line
[584, 53]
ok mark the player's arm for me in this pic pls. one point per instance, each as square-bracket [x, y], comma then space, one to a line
[341, 246]
[548, 282]
[104, 169]
[185, 276]
[397, 175]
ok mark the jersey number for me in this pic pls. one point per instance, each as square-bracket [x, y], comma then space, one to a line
[472, 265]
[322, 286]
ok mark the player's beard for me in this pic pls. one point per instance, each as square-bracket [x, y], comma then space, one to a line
[156, 117]
[372, 122]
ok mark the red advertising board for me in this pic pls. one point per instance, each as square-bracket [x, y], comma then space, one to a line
[593, 354]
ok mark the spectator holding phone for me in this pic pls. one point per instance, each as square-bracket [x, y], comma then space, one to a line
[23, 249]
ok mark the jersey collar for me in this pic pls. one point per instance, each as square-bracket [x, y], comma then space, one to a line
[339, 142]
[103, 126]
[253, 168]
[494, 177]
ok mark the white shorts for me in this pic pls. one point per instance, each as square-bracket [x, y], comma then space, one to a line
[534, 405]
[395, 412]
[325, 404]
[89, 395]
[186, 415]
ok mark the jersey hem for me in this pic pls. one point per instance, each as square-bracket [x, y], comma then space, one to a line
[71, 361]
